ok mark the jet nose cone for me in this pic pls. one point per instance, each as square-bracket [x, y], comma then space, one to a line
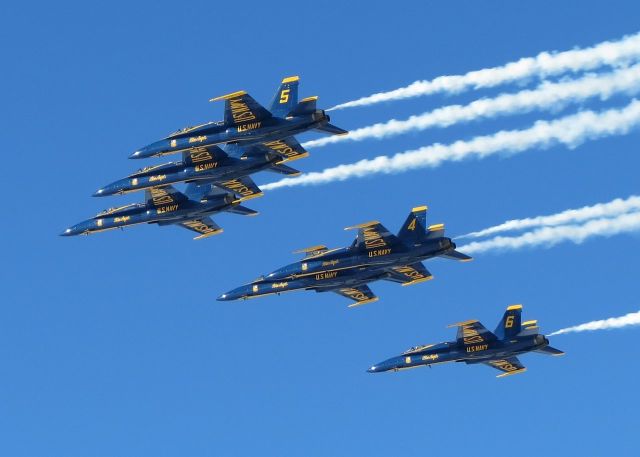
[223, 297]
[373, 369]
[98, 193]
[67, 232]
[136, 155]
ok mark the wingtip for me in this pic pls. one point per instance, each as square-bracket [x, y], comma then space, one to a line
[227, 96]
[521, 370]
[460, 324]
[207, 235]
[363, 302]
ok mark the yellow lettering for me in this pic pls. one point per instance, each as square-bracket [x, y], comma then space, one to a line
[240, 111]
[412, 225]
[197, 139]
[200, 155]
[379, 252]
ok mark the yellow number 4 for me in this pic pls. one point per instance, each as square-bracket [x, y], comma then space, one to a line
[412, 225]
[284, 96]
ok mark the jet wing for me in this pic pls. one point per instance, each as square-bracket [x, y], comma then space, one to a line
[508, 366]
[164, 195]
[288, 148]
[362, 295]
[204, 226]
[245, 187]
[374, 238]
[472, 332]
[409, 274]
[241, 109]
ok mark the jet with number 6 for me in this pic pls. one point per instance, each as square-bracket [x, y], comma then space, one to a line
[475, 344]
[375, 254]
[247, 122]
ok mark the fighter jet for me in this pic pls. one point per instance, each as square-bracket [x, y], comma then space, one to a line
[475, 344]
[164, 205]
[375, 254]
[247, 122]
[229, 168]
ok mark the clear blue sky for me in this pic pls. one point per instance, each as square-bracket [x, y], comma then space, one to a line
[114, 345]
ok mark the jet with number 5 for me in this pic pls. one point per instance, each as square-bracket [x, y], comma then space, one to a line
[475, 344]
[164, 205]
[375, 254]
[247, 122]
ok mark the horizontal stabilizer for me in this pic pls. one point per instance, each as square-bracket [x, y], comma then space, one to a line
[455, 255]
[242, 210]
[549, 351]
[284, 170]
[435, 231]
[305, 107]
[332, 129]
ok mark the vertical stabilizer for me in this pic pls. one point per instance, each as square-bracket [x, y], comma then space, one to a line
[286, 98]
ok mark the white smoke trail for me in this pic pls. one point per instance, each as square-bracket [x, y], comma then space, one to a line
[550, 236]
[600, 210]
[570, 131]
[605, 324]
[546, 96]
[607, 53]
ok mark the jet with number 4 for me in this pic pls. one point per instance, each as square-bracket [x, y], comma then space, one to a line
[375, 254]
[475, 344]
[247, 122]
[164, 205]
[229, 167]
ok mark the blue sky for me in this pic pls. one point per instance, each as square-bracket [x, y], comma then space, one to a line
[114, 345]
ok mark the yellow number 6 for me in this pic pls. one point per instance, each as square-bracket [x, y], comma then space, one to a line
[509, 322]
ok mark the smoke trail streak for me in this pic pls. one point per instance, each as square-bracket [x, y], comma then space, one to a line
[607, 53]
[605, 324]
[550, 236]
[546, 96]
[570, 130]
[600, 210]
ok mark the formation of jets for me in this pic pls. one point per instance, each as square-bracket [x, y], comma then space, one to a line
[218, 160]
[252, 139]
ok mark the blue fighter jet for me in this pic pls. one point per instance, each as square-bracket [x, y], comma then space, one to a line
[164, 205]
[475, 344]
[229, 168]
[375, 254]
[247, 122]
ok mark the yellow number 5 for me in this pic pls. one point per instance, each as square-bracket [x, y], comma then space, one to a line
[284, 96]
